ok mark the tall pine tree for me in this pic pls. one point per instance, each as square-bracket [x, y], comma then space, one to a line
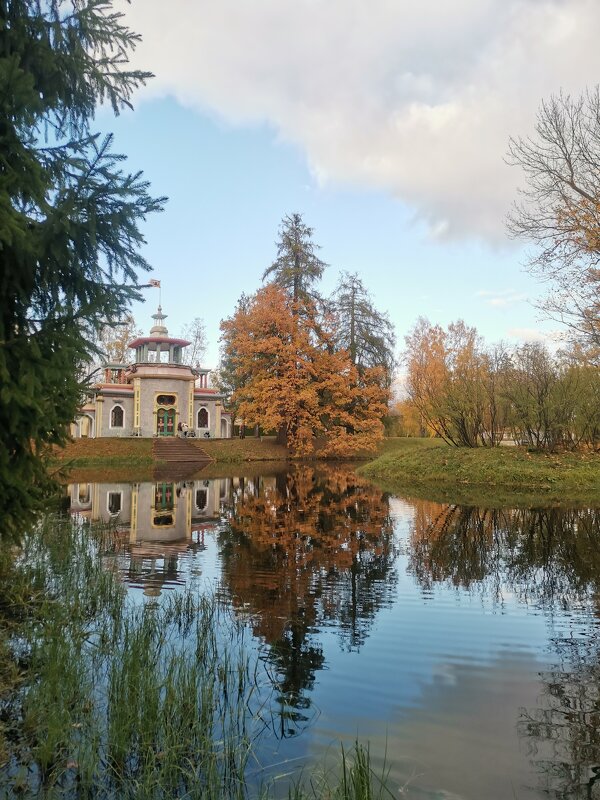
[366, 333]
[69, 223]
[297, 266]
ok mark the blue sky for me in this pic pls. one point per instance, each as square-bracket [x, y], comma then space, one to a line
[385, 122]
[228, 188]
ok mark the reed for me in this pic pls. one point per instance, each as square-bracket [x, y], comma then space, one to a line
[122, 700]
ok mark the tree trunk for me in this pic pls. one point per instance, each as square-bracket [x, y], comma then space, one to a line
[282, 435]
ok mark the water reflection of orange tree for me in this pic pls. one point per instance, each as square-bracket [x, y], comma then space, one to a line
[551, 555]
[311, 546]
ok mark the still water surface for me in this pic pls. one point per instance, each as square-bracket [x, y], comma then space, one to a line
[462, 643]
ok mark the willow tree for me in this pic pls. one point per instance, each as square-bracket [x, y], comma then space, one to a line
[454, 384]
[69, 223]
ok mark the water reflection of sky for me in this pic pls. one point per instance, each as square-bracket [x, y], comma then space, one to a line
[428, 630]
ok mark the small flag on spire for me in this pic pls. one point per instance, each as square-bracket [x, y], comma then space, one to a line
[154, 282]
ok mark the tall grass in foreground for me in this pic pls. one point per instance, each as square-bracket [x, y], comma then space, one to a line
[117, 700]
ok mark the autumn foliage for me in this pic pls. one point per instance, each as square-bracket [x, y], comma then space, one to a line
[471, 395]
[301, 549]
[453, 384]
[297, 532]
[291, 378]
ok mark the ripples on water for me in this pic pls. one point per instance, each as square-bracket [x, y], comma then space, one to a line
[461, 642]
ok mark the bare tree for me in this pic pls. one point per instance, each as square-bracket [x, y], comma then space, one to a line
[560, 208]
[195, 331]
[114, 338]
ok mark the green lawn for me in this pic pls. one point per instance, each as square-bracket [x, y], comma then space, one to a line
[120, 459]
[405, 444]
[502, 474]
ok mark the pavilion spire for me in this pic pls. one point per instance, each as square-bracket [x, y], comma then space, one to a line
[159, 328]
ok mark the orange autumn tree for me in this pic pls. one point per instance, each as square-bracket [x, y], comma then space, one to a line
[410, 420]
[290, 378]
[426, 372]
[455, 385]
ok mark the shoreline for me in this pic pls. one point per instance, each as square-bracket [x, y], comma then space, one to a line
[426, 468]
[488, 476]
[134, 452]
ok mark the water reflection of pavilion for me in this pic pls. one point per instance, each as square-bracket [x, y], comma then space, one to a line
[158, 523]
[304, 549]
[297, 550]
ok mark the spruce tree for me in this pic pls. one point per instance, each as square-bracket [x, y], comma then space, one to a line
[297, 266]
[366, 333]
[229, 377]
[69, 224]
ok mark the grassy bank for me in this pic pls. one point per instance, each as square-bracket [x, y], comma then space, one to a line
[135, 452]
[117, 453]
[237, 451]
[429, 468]
[104, 697]
[109, 452]
[423, 467]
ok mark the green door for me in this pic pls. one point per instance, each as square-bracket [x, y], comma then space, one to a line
[165, 422]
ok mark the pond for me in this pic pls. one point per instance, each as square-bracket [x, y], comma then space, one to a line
[462, 643]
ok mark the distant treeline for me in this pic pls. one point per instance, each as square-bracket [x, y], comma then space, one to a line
[471, 395]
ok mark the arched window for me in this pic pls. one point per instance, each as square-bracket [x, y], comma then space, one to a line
[115, 501]
[117, 416]
[201, 499]
[83, 493]
[203, 418]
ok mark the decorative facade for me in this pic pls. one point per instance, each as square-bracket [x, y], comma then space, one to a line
[155, 395]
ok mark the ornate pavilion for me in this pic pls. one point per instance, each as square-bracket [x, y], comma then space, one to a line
[154, 394]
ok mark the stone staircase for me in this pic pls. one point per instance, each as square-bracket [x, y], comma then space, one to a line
[176, 450]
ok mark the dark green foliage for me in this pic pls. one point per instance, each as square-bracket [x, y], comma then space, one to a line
[69, 216]
[297, 266]
[365, 332]
[228, 378]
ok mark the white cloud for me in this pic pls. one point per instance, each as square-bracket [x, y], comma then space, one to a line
[503, 299]
[551, 338]
[418, 99]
